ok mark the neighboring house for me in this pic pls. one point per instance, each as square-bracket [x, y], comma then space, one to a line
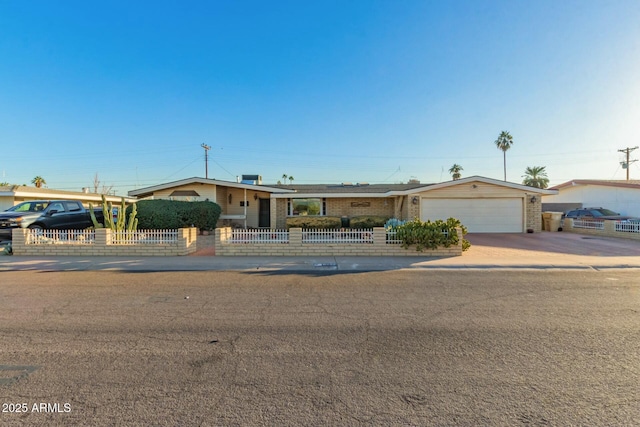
[617, 195]
[482, 204]
[11, 195]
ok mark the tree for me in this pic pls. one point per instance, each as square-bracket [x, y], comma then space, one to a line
[290, 180]
[536, 176]
[455, 171]
[285, 177]
[38, 181]
[504, 142]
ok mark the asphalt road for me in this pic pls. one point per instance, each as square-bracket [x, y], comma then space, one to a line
[282, 348]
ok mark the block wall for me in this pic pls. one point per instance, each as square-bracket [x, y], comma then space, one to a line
[185, 245]
[295, 247]
[609, 230]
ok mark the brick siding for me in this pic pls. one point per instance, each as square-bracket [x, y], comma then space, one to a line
[533, 213]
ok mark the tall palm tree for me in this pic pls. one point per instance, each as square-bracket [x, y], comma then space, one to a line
[536, 176]
[455, 171]
[504, 142]
[38, 181]
[290, 180]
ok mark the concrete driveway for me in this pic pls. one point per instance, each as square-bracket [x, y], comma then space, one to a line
[558, 243]
[549, 250]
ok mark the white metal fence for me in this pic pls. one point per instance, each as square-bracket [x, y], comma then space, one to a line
[311, 236]
[392, 239]
[143, 237]
[627, 227]
[60, 237]
[588, 224]
[337, 236]
[259, 236]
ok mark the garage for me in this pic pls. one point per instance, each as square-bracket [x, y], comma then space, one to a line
[490, 215]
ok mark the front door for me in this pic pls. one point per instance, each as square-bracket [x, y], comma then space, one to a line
[264, 213]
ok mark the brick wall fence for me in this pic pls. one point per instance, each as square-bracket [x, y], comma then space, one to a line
[608, 230]
[184, 245]
[295, 247]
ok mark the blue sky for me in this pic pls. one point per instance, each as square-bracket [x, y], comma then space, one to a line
[327, 91]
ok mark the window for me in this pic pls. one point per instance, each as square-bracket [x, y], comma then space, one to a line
[301, 207]
[74, 206]
[57, 206]
[29, 207]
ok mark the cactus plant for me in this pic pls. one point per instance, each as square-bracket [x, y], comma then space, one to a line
[120, 224]
[92, 214]
[133, 221]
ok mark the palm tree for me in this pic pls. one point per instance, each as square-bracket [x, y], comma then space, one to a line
[536, 176]
[38, 181]
[290, 180]
[284, 178]
[455, 171]
[504, 142]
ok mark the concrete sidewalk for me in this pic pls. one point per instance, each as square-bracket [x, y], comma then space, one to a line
[314, 264]
[540, 251]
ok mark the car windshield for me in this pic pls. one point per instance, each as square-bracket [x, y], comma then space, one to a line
[29, 207]
[603, 212]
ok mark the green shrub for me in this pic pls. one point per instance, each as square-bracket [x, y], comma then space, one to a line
[368, 221]
[392, 224]
[431, 234]
[170, 214]
[323, 222]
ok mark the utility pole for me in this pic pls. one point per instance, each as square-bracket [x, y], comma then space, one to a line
[625, 165]
[206, 160]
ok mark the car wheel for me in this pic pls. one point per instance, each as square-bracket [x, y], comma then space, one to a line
[37, 229]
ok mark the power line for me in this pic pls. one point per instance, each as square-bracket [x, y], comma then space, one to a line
[625, 165]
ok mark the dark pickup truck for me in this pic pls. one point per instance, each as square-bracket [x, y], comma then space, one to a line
[45, 214]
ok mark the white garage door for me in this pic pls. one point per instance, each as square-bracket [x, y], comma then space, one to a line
[478, 215]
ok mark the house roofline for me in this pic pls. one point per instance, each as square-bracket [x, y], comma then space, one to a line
[197, 180]
[50, 194]
[421, 189]
[604, 183]
[485, 180]
[281, 193]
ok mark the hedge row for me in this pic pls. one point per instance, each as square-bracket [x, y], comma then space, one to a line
[171, 214]
[333, 222]
[323, 222]
[368, 221]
